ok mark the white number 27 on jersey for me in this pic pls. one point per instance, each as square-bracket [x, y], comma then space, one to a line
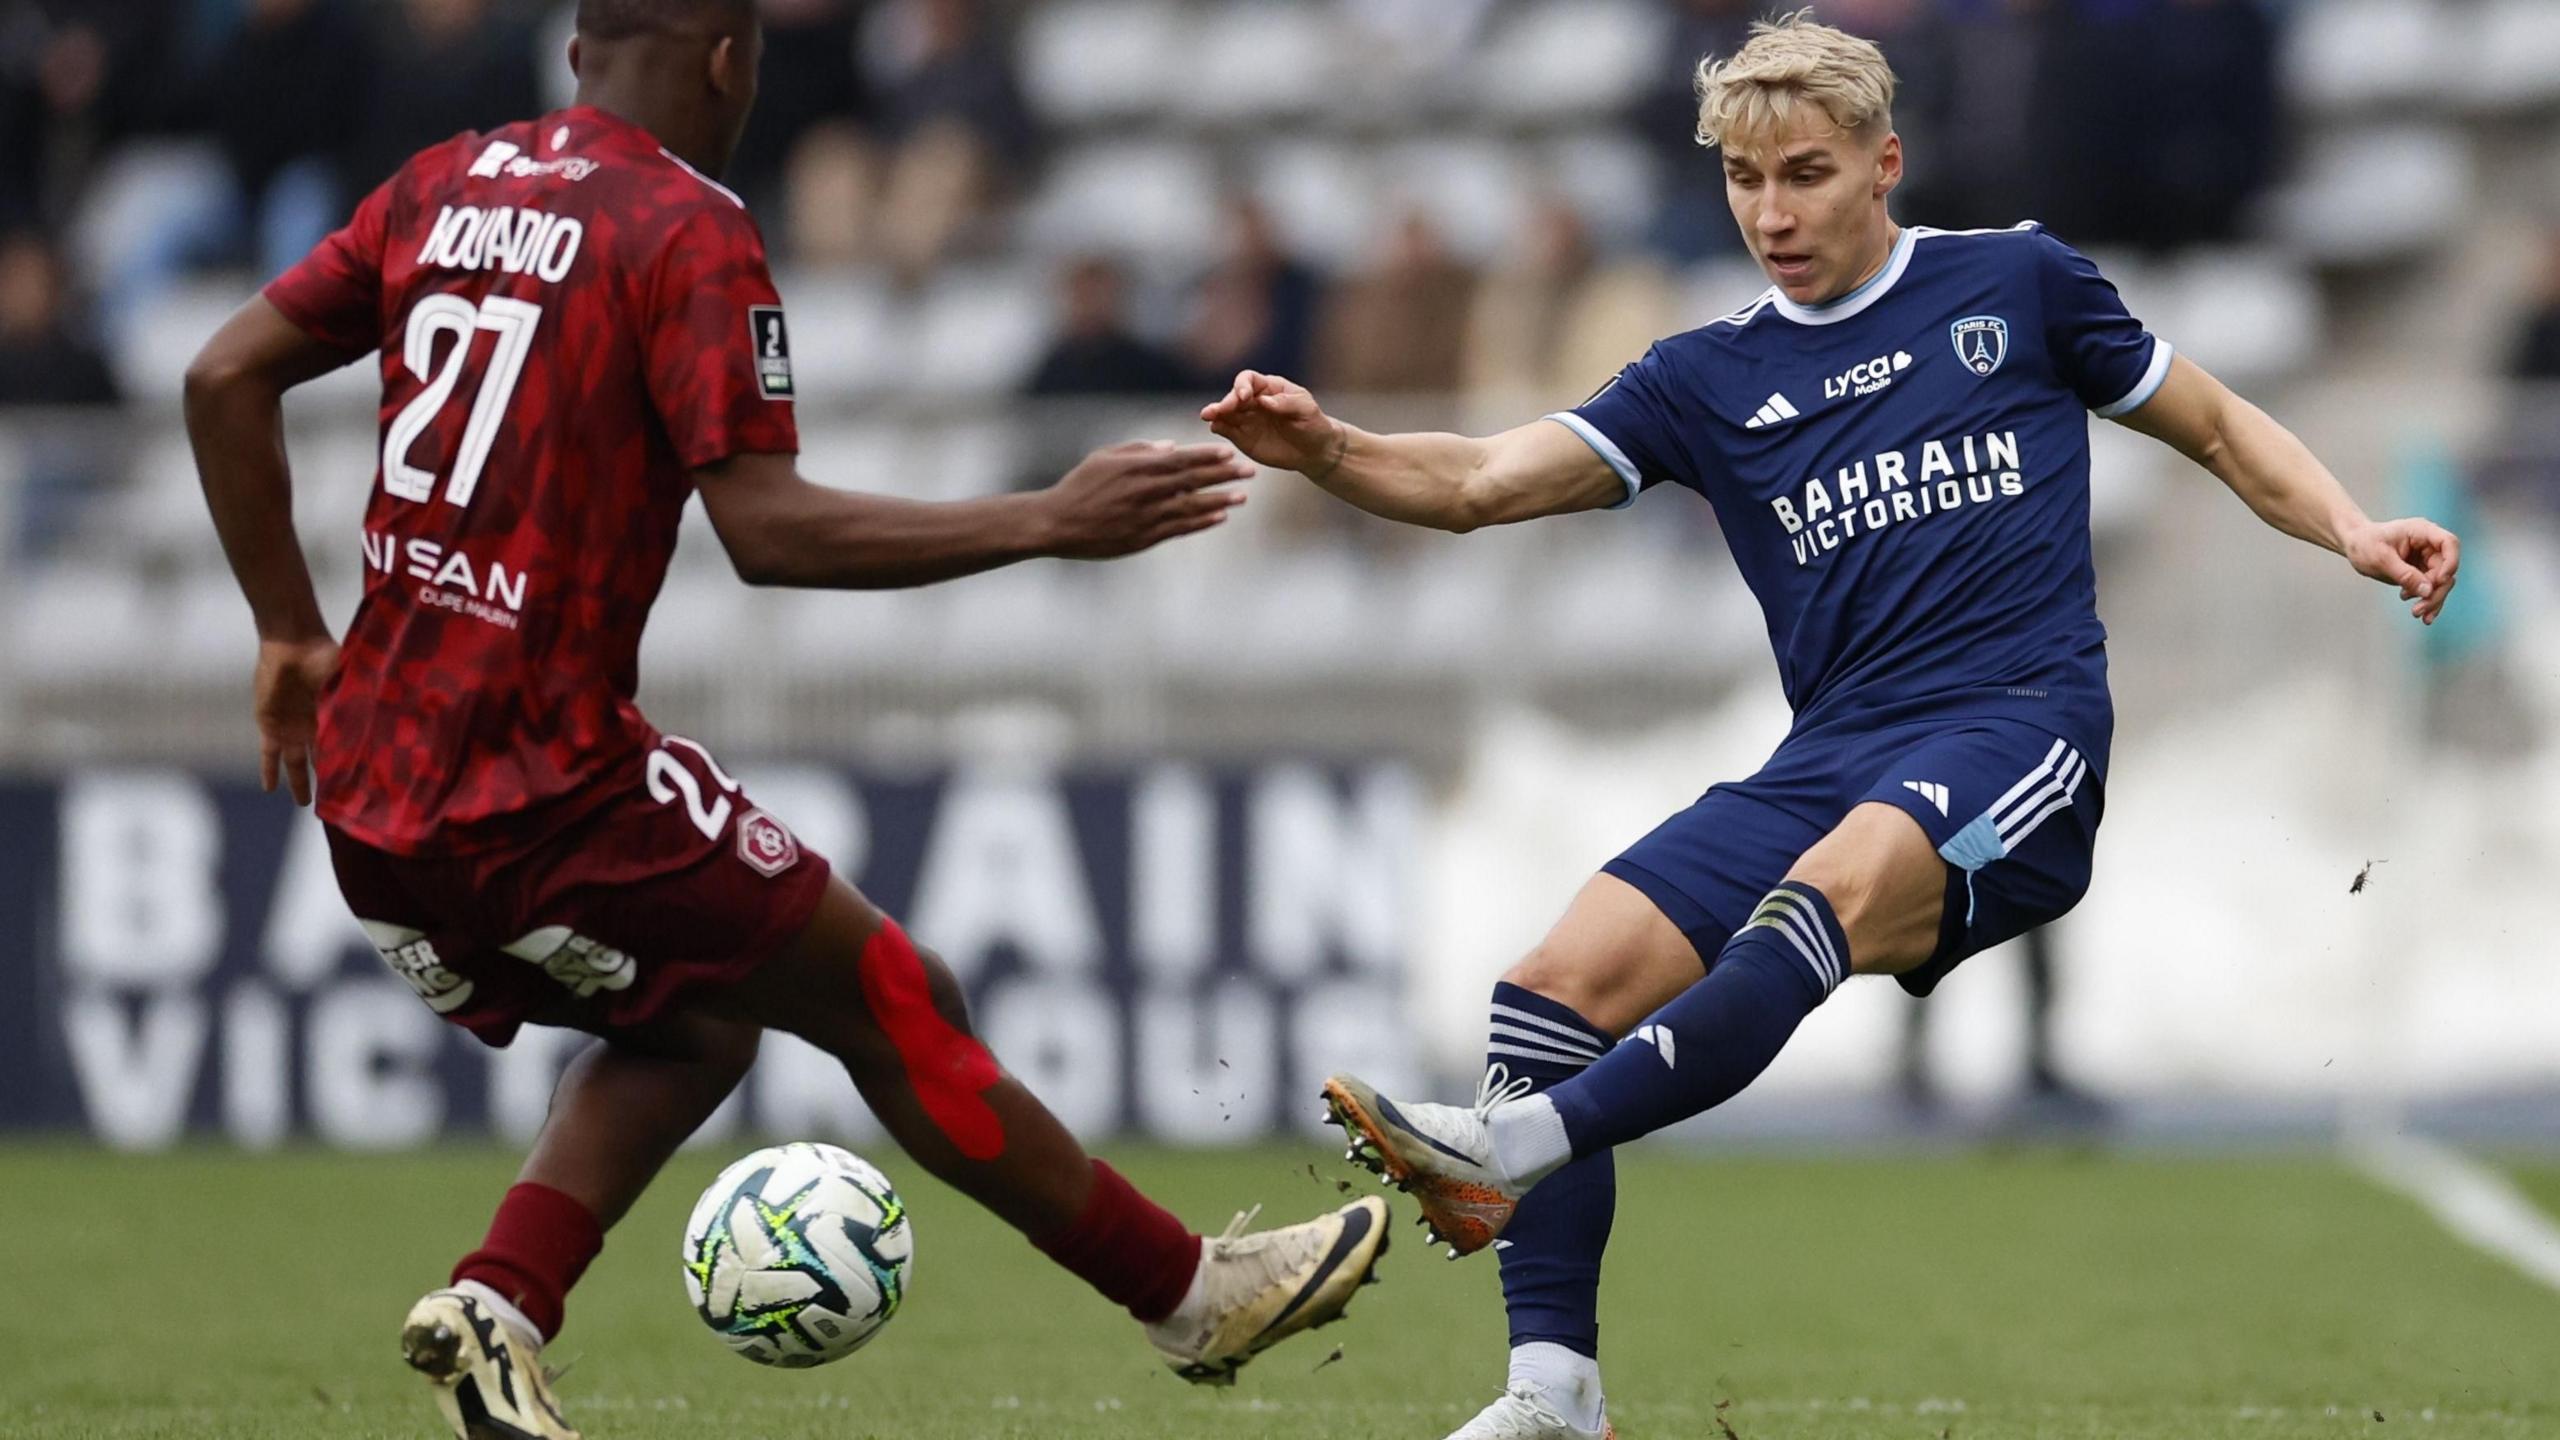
[513, 322]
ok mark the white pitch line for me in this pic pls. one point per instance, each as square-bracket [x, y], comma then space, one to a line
[2481, 1207]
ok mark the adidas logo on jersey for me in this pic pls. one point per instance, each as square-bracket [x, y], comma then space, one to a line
[1775, 410]
[1929, 790]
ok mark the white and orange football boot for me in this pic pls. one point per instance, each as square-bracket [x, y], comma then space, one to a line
[1441, 1155]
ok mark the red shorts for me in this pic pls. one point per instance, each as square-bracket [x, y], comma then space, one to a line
[676, 884]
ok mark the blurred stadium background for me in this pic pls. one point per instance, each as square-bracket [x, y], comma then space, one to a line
[1203, 824]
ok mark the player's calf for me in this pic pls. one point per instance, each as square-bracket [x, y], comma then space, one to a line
[855, 985]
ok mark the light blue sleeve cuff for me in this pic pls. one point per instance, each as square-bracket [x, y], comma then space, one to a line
[2153, 376]
[1608, 450]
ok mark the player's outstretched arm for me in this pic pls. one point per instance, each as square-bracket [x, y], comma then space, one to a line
[780, 529]
[1447, 482]
[2269, 467]
[235, 422]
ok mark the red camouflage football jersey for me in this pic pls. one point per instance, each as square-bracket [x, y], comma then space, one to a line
[570, 321]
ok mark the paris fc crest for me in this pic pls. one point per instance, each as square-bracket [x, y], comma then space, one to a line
[1982, 342]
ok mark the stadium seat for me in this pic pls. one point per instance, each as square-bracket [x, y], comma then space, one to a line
[80, 622]
[1609, 176]
[2356, 55]
[1101, 60]
[826, 638]
[1468, 185]
[2376, 194]
[978, 330]
[160, 512]
[867, 455]
[1252, 62]
[973, 457]
[701, 626]
[152, 355]
[1566, 57]
[1719, 287]
[2243, 314]
[1323, 195]
[2511, 56]
[200, 628]
[847, 334]
[1022, 622]
[1451, 607]
[1151, 197]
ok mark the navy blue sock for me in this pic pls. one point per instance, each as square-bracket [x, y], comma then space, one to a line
[1550, 1252]
[1701, 1049]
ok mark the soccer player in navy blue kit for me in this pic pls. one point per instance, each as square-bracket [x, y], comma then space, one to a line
[1894, 438]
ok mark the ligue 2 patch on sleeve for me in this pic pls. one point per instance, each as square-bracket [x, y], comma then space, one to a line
[773, 351]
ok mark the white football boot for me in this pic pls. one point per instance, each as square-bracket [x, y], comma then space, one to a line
[486, 1370]
[1254, 1290]
[1441, 1155]
[1523, 1414]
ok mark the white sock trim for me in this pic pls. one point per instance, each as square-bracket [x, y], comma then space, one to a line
[1189, 1315]
[505, 1310]
[1529, 1142]
[1563, 1378]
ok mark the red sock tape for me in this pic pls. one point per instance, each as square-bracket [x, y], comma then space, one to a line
[949, 1071]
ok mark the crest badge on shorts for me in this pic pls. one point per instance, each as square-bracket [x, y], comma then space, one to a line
[1982, 342]
[766, 844]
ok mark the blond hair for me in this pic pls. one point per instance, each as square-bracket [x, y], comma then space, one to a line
[1789, 62]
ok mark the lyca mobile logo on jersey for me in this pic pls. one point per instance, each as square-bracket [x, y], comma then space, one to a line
[1867, 377]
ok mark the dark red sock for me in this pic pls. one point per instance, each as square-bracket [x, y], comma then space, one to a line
[538, 1246]
[1128, 1247]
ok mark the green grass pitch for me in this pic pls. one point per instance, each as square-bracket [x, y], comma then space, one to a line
[211, 1294]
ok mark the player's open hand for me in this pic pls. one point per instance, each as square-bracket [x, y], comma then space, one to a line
[1277, 422]
[1129, 497]
[290, 676]
[2419, 556]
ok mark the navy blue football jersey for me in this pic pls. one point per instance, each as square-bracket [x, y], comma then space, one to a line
[1903, 476]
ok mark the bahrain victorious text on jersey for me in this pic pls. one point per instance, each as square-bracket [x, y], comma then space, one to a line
[570, 321]
[1903, 476]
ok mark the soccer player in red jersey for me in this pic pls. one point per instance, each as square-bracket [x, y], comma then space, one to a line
[578, 332]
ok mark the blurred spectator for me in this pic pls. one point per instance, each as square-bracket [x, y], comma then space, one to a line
[1096, 352]
[43, 359]
[1691, 222]
[1400, 326]
[2052, 1100]
[74, 79]
[277, 98]
[1968, 112]
[461, 67]
[61, 460]
[2537, 344]
[807, 155]
[1256, 308]
[957, 128]
[2158, 120]
[1554, 321]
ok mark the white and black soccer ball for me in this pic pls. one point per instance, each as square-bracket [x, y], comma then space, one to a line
[798, 1254]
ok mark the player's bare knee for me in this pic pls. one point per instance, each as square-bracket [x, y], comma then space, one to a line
[1568, 981]
[1609, 991]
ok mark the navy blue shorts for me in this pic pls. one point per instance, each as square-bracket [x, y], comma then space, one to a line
[2013, 809]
